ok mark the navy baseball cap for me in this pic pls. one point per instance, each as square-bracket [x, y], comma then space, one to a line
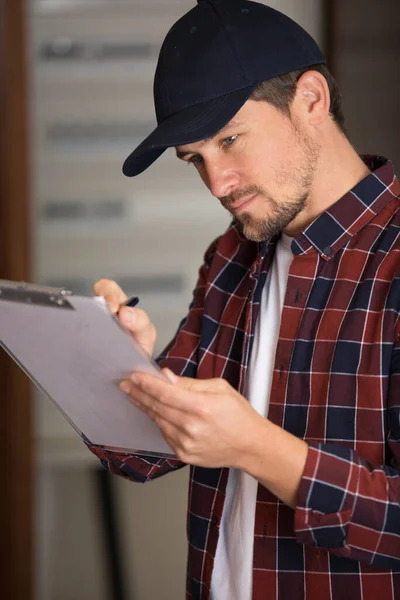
[210, 62]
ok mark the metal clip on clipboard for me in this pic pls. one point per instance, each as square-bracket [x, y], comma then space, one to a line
[29, 293]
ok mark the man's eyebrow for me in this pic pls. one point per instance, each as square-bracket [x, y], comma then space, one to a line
[228, 126]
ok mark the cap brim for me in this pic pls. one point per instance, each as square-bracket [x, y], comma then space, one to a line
[190, 125]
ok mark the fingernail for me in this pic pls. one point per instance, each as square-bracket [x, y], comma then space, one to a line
[134, 379]
[125, 387]
[172, 378]
[130, 316]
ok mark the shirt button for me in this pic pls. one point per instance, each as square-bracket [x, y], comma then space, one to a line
[327, 250]
[214, 520]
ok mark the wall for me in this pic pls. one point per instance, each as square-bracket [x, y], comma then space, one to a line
[366, 58]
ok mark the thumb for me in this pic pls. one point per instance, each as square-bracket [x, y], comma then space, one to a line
[172, 378]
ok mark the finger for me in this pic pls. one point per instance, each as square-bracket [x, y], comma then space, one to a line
[112, 293]
[173, 396]
[138, 323]
[152, 405]
[216, 386]
[169, 432]
[172, 378]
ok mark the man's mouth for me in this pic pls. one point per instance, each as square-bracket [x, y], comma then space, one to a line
[242, 203]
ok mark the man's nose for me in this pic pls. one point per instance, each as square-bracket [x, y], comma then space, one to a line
[221, 180]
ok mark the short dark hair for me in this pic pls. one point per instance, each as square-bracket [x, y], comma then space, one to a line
[281, 90]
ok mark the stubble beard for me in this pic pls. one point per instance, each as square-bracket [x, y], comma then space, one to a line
[280, 216]
[283, 211]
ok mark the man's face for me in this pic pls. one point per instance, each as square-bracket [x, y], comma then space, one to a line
[260, 166]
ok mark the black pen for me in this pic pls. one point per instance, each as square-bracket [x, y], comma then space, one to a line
[131, 302]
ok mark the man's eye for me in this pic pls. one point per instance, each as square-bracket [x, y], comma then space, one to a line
[230, 140]
[195, 160]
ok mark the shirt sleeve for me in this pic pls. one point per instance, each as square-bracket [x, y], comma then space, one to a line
[135, 467]
[181, 357]
[347, 504]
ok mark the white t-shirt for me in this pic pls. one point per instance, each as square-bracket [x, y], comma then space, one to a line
[233, 568]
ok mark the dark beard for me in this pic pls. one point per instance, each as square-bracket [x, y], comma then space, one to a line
[282, 215]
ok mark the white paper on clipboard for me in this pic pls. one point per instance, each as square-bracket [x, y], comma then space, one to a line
[77, 354]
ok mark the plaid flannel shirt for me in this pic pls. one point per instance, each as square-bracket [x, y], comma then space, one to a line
[336, 384]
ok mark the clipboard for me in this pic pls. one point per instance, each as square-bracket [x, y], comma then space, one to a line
[77, 353]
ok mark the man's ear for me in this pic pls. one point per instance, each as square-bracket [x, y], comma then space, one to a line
[312, 100]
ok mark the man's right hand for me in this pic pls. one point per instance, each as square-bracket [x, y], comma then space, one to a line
[134, 319]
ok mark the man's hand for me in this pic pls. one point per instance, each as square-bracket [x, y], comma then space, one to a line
[134, 319]
[208, 423]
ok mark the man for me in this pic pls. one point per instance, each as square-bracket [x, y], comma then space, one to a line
[283, 391]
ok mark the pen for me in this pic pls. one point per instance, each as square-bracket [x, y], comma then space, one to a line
[131, 302]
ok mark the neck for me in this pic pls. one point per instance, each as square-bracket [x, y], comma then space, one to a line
[339, 169]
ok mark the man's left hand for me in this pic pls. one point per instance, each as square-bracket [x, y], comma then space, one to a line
[206, 422]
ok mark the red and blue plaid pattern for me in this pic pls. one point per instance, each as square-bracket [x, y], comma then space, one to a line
[336, 384]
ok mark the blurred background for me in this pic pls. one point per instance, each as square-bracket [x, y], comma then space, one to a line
[75, 98]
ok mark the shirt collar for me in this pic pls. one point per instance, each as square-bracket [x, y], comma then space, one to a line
[335, 227]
